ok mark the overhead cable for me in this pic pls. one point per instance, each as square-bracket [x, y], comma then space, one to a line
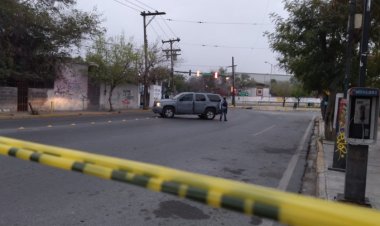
[214, 22]
[122, 3]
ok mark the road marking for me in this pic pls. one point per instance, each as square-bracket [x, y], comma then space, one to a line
[109, 121]
[21, 128]
[49, 126]
[124, 120]
[264, 130]
[92, 123]
[284, 182]
[73, 124]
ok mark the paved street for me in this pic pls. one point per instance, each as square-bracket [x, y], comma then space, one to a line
[264, 148]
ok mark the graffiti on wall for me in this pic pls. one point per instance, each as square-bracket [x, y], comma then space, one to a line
[127, 97]
[71, 84]
[341, 142]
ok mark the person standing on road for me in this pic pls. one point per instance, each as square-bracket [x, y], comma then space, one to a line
[223, 109]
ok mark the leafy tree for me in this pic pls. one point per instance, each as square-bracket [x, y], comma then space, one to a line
[159, 74]
[312, 44]
[181, 83]
[115, 62]
[195, 84]
[244, 82]
[282, 89]
[297, 90]
[35, 35]
[155, 68]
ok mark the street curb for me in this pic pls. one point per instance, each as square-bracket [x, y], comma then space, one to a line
[321, 172]
[321, 166]
[26, 115]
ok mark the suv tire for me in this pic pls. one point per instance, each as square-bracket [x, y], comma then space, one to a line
[168, 112]
[210, 114]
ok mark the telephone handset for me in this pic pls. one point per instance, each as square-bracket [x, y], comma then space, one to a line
[362, 114]
[362, 111]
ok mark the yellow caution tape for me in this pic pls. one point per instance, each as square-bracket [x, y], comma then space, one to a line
[287, 208]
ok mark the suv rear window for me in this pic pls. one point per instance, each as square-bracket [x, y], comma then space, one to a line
[200, 97]
[213, 97]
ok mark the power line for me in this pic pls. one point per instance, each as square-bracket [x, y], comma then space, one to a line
[162, 18]
[143, 9]
[122, 3]
[158, 24]
[155, 31]
[142, 3]
[222, 46]
[215, 22]
[160, 27]
[167, 25]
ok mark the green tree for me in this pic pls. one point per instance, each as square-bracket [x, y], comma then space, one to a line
[114, 61]
[282, 89]
[196, 84]
[35, 35]
[155, 64]
[244, 82]
[297, 90]
[181, 83]
[312, 44]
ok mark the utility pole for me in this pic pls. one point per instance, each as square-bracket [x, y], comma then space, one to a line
[173, 53]
[364, 43]
[145, 14]
[339, 160]
[233, 82]
[350, 37]
[357, 155]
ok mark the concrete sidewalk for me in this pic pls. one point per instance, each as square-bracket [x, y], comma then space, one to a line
[20, 115]
[330, 182]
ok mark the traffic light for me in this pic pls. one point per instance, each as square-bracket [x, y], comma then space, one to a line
[216, 74]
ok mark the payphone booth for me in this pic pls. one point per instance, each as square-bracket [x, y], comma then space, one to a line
[362, 115]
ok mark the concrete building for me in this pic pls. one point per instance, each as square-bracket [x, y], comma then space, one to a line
[266, 78]
[71, 91]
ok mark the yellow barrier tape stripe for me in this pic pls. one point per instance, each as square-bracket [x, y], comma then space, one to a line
[106, 173]
[290, 209]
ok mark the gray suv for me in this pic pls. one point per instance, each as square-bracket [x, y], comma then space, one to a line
[205, 105]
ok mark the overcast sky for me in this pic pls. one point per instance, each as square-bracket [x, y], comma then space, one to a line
[228, 28]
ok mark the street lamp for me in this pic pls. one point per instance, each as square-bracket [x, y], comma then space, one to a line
[271, 66]
[271, 71]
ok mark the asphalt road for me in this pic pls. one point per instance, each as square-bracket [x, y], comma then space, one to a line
[263, 148]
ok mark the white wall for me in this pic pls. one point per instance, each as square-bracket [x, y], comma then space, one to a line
[155, 93]
[70, 88]
[8, 99]
[123, 97]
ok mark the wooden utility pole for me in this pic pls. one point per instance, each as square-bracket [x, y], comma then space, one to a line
[233, 82]
[350, 38]
[173, 53]
[145, 14]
